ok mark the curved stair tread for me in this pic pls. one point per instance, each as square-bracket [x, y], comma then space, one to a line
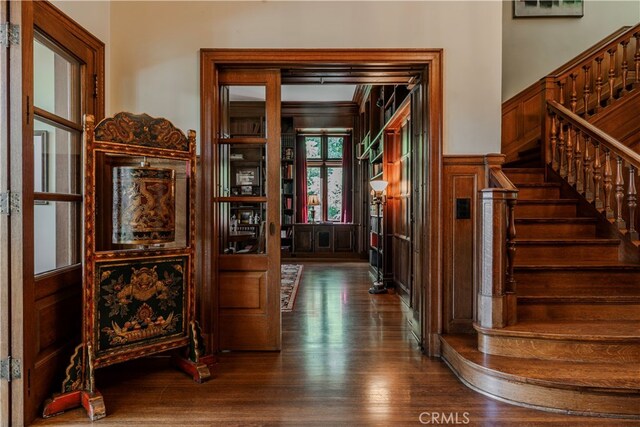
[612, 378]
[571, 330]
[566, 241]
[559, 220]
[570, 264]
[619, 299]
[546, 201]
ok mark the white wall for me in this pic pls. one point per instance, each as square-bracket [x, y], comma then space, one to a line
[95, 17]
[155, 51]
[534, 47]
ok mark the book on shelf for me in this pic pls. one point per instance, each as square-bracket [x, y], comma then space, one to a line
[288, 203]
[287, 187]
[287, 171]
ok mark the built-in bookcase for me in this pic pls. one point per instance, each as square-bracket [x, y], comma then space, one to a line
[288, 186]
[384, 111]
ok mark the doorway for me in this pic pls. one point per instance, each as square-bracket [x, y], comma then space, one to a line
[331, 66]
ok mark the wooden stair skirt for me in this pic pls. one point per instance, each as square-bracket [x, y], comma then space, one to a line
[581, 388]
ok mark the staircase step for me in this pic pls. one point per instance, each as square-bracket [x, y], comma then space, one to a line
[536, 149]
[583, 278]
[545, 190]
[524, 175]
[578, 308]
[555, 227]
[546, 208]
[585, 341]
[548, 250]
[589, 388]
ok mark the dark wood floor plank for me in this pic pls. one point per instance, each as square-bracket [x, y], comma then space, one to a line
[348, 359]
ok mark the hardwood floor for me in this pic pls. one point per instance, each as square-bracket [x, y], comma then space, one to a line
[348, 359]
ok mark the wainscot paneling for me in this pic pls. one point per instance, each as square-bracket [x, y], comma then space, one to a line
[463, 177]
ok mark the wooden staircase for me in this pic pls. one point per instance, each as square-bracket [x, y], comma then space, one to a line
[576, 344]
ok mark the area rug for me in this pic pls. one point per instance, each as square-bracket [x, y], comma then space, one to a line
[289, 282]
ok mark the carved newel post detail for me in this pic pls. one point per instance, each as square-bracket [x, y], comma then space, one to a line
[497, 290]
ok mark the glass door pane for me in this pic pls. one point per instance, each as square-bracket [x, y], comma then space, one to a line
[243, 111]
[56, 82]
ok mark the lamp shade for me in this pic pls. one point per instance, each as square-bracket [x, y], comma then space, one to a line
[143, 205]
[313, 200]
[378, 185]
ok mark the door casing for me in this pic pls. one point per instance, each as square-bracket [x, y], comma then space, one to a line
[427, 218]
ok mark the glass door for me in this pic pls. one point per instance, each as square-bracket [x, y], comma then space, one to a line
[246, 209]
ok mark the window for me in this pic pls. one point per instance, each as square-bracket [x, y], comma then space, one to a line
[324, 154]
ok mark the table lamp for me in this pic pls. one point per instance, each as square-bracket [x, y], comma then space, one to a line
[313, 200]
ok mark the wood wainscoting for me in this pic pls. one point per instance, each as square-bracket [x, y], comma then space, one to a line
[463, 178]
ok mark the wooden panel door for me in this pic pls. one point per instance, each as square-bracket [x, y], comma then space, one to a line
[246, 209]
[56, 75]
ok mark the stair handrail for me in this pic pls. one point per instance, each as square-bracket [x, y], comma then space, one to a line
[586, 85]
[571, 138]
[613, 39]
[497, 250]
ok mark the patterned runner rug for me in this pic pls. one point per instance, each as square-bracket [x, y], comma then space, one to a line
[289, 282]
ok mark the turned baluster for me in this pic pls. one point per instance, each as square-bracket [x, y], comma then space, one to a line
[599, 83]
[574, 93]
[554, 142]
[612, 72]
[571, 179]
[511, 247]
[588, 170]
[624, 66]
[619, 194]
[561, 91]
[632, 196]
[636, 58]
[608, 174]
[586, 91]
[562, 149]
[597, 176]
[579, 165]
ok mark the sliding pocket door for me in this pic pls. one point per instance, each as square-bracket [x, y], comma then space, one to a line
[246, 209]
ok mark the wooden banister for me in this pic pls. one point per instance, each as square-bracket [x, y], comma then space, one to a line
[589, 55]
[606, 192]
[497, 250]
[586, 85]
[586, 128]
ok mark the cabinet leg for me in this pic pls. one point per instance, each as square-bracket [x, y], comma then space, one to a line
[93, 403]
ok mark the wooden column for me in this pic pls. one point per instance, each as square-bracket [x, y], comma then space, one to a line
[496, 294]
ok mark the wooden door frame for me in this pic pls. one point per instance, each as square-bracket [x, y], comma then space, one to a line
[22, 322]
[210, 62]
[5, 289]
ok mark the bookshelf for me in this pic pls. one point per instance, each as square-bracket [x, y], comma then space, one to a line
[287, 188]
[384, 110]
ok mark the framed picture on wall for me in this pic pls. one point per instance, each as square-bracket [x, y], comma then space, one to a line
[548, 8]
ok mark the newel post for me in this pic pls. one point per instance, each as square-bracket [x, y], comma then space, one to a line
[496, 290]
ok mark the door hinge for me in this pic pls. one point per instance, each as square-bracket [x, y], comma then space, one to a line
[9, 34]
[9, 203]
[10, 369]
